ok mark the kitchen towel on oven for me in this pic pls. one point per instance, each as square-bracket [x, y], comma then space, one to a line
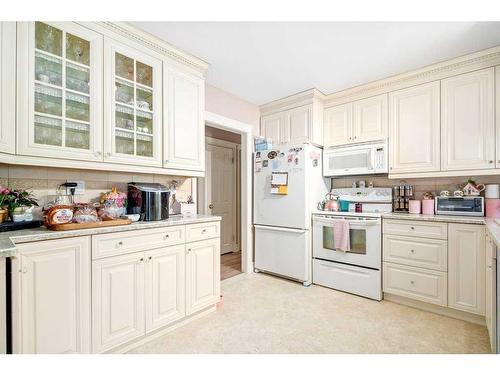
[341, 235]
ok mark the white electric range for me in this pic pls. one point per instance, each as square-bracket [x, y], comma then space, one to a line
[357, 270]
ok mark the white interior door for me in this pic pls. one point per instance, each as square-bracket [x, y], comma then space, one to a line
[223, 191]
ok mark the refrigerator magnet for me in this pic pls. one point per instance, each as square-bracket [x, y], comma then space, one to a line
[265, 163]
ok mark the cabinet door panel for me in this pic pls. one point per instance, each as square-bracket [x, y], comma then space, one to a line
[185, 128]
[338, 125]
[273, 126]
[55, 296]
[133, 112]
[466, 268]
[117, 300]
[299, 124]
[203, 274]
[165, 294]
[467, 121]
[414, 129]
[7, 87]
[497, 113]
[370, 119]
[59, 110]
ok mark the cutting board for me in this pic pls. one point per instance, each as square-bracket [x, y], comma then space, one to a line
[98, 224]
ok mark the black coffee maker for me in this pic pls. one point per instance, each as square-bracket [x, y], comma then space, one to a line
[150, 200]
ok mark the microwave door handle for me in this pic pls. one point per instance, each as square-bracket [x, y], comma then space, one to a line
[354, 221]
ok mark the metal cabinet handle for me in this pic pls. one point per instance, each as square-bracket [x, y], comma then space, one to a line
[412, 282]
[167, 236]
[412, 228]
[412, 251]
[97, 153]
[491, 161]
[140, 260]
[188, 250]
[23, 270]
[203, 231]
[119, 244]
[150, 257]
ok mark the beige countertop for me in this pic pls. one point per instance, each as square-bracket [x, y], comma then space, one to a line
[435, 218]
[8, 240]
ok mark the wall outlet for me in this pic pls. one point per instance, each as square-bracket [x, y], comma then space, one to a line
[80, 187]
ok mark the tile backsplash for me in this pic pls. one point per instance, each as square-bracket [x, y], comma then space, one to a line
[422, 185]
[45, 181]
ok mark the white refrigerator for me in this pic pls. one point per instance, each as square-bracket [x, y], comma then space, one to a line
[288, 184]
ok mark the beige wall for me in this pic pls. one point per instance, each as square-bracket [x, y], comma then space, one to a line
[422, 185]
[229, 105]
[44, 181]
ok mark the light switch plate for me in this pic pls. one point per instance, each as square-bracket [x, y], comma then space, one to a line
[80, 188]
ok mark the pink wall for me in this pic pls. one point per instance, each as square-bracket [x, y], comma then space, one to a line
[229, 105]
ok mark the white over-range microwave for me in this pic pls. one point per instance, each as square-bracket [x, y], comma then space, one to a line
[366, 158]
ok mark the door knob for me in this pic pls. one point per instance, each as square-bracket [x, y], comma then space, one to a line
[211, 206]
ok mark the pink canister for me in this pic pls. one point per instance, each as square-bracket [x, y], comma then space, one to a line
[492, 207]
[414, 207]
[428, 206]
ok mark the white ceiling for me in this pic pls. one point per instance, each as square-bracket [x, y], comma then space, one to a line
[261, 62]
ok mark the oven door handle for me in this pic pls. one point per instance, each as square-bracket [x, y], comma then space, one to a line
[356, 221]
[281, 229]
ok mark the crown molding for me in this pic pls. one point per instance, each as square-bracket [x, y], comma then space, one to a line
[153, 42]
[463, 64]
[292, 101]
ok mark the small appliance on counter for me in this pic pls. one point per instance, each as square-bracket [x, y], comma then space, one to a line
[150, 200]
[492, 200]
[461, 206]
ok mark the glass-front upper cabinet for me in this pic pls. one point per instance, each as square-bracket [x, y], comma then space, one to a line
[133, 97]
[60, 91]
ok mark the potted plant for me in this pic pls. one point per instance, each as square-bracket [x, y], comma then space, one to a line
[21, 206]
[5, 197]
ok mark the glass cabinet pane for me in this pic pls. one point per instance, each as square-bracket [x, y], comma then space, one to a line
[48, 38]
[144, 99]
[77, 78]
[77, 107]
[144, 74]
[77, 49]
[48, 100]
[77, 135]
[124, 67]
[48, 131]
[134, 98]
[124, 117]
[124, 143]
[124, 92]
[62, 90]
[48, 69]
[144, 145]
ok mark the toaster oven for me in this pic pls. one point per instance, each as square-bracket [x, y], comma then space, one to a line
[463, 206]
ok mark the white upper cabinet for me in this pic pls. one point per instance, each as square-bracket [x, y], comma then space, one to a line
[59, 108]
[7, 87]
[133, 111]
[468, 121]
[356, 122]
[466, 268]
[299, 125]
[414, 129]
[54, 291]
[273, 126]
[370, 119]
[184, 138]
[338, 125]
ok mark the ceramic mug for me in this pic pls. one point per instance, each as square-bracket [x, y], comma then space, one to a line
[445, 193]
[458, 193]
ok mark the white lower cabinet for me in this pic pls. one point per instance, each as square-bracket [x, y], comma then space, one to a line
[491, 292]
[466, 267]
[202, 274]
[117, 300]
[165, 286]
[51, 297]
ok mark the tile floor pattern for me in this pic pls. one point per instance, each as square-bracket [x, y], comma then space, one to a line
[264, 314]
[230, 265]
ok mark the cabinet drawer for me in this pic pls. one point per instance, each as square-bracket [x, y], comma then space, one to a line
[197, 232]
[416, 283]
[104, 245]
[418, 252]
[416, 229]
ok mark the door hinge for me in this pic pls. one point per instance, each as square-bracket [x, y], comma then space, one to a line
[232, 160]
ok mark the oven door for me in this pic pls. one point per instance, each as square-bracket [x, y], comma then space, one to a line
[353, 160]
[365, 240]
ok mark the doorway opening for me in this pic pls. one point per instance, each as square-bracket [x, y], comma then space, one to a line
[221, 192]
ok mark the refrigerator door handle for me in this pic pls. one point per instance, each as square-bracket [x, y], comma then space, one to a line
[281, 229]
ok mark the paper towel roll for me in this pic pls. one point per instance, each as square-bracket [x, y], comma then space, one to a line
[492, 191]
